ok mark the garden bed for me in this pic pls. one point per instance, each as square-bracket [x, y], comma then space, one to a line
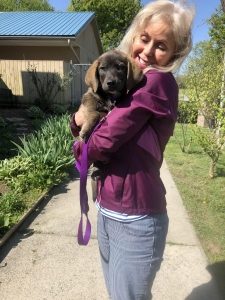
[42, 160]
[8, 234]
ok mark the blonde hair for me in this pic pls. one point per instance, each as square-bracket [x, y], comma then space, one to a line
[177, 15]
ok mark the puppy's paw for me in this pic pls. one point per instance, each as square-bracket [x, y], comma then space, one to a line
[82, 135]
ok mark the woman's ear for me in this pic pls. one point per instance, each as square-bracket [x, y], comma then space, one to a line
[134, 74]
[91, 77]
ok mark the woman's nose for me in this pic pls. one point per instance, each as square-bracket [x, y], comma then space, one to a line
[148, 50]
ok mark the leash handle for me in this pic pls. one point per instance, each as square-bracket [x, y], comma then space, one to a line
[84, 239]
[82, 167]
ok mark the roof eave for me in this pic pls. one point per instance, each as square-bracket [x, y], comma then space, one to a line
[35, 40]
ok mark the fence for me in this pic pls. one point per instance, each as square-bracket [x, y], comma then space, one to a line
[15, 76]
[77, 86]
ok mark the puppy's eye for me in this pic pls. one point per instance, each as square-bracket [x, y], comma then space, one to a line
[121, 67]
[102, 68]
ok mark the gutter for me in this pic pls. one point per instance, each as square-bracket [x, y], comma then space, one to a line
[74, 52]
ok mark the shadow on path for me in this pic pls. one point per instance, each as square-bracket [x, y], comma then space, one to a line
[217, 271]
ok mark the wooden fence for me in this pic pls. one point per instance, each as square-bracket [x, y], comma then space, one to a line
[15, 76]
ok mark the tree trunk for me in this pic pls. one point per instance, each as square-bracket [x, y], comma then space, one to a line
[212, 169]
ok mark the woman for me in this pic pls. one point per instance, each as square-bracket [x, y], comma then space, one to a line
[130, 140]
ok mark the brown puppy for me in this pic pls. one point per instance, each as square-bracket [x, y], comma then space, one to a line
[109, 78]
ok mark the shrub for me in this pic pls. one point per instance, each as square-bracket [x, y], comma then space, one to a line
[22, 174]
[58, 109]
[34, 112]
[186, 113]
[51, 146]
[11, 207]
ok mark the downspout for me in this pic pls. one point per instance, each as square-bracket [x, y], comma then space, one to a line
[74, 52]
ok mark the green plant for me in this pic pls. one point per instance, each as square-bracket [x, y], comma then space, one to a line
[42, 161]
[58, 109]
[208, 141]
[113, 17]
[48, 86]
[51, 146]
[34, 112]
[2, 123]
[7, 133]
[11, 207]
[187, 113]
[203, 82]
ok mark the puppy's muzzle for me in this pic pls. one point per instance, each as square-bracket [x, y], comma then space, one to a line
[111, 84]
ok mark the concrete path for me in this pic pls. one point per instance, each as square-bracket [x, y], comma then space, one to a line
[44, 261]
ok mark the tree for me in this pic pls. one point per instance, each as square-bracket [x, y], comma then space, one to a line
[217, 29]
[203, 82]
[217, 34]
[113, 17]
[25, 5]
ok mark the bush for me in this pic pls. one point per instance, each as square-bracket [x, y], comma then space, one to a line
[58, 109]
[11, 207]
[51, 146]
[22, 174]
[187, 113]
[34, 112]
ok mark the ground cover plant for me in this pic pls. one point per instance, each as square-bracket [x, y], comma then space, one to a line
[203, 197]
[7, 131]
[42, 161]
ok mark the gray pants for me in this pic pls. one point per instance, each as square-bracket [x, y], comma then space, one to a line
[131, 254]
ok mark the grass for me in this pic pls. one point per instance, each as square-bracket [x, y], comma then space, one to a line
[204, 198]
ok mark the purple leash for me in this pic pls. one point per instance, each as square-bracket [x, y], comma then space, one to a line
[82, 167]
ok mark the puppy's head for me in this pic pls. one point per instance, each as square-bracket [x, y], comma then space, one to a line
[113, 73]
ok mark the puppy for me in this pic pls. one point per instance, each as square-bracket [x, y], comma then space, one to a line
[109, 78]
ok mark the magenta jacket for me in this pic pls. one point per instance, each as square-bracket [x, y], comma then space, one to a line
[131, 141]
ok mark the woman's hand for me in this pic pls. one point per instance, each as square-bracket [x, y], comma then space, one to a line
[79, 118]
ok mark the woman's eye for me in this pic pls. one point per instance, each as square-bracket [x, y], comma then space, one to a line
[144, 39]
[162, 47]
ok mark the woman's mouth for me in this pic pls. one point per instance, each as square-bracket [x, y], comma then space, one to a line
[142, 63]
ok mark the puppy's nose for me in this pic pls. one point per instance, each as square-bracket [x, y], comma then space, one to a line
[111, 83]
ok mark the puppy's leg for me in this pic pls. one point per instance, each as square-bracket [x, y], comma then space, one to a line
[90, 121]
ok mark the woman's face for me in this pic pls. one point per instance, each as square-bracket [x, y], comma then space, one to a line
[153, 46]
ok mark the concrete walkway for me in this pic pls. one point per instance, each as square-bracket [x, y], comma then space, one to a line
[44, 261]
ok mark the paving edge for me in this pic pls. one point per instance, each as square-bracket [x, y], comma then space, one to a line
[13, 229]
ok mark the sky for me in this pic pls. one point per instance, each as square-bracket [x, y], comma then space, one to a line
[204, 10]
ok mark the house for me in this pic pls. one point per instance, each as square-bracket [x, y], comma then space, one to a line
[52, 42]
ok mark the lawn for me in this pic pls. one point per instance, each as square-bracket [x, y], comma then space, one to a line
[204, 198]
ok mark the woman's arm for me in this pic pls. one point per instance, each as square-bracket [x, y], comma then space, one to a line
[132, 114]
[156, 99]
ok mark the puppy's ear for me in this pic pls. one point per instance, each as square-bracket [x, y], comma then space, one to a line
[134, 74]
[91, 77]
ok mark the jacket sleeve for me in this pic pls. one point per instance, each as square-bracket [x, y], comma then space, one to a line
[130, 116]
